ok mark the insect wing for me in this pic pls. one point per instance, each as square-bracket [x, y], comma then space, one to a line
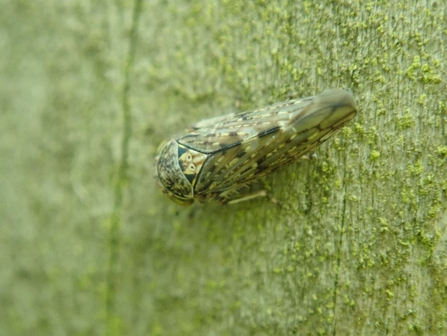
[221, 133]
[252, 144]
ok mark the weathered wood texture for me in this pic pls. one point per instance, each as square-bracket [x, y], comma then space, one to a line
[356, 243]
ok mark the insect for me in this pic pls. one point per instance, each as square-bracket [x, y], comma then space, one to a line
[221, 156]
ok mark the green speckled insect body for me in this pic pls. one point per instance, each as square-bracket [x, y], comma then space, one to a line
[218, 157]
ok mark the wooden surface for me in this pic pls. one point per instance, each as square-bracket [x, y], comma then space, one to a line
[357, 241]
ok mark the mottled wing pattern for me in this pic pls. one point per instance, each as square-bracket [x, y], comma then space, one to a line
[252, 144]
[218, 134]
